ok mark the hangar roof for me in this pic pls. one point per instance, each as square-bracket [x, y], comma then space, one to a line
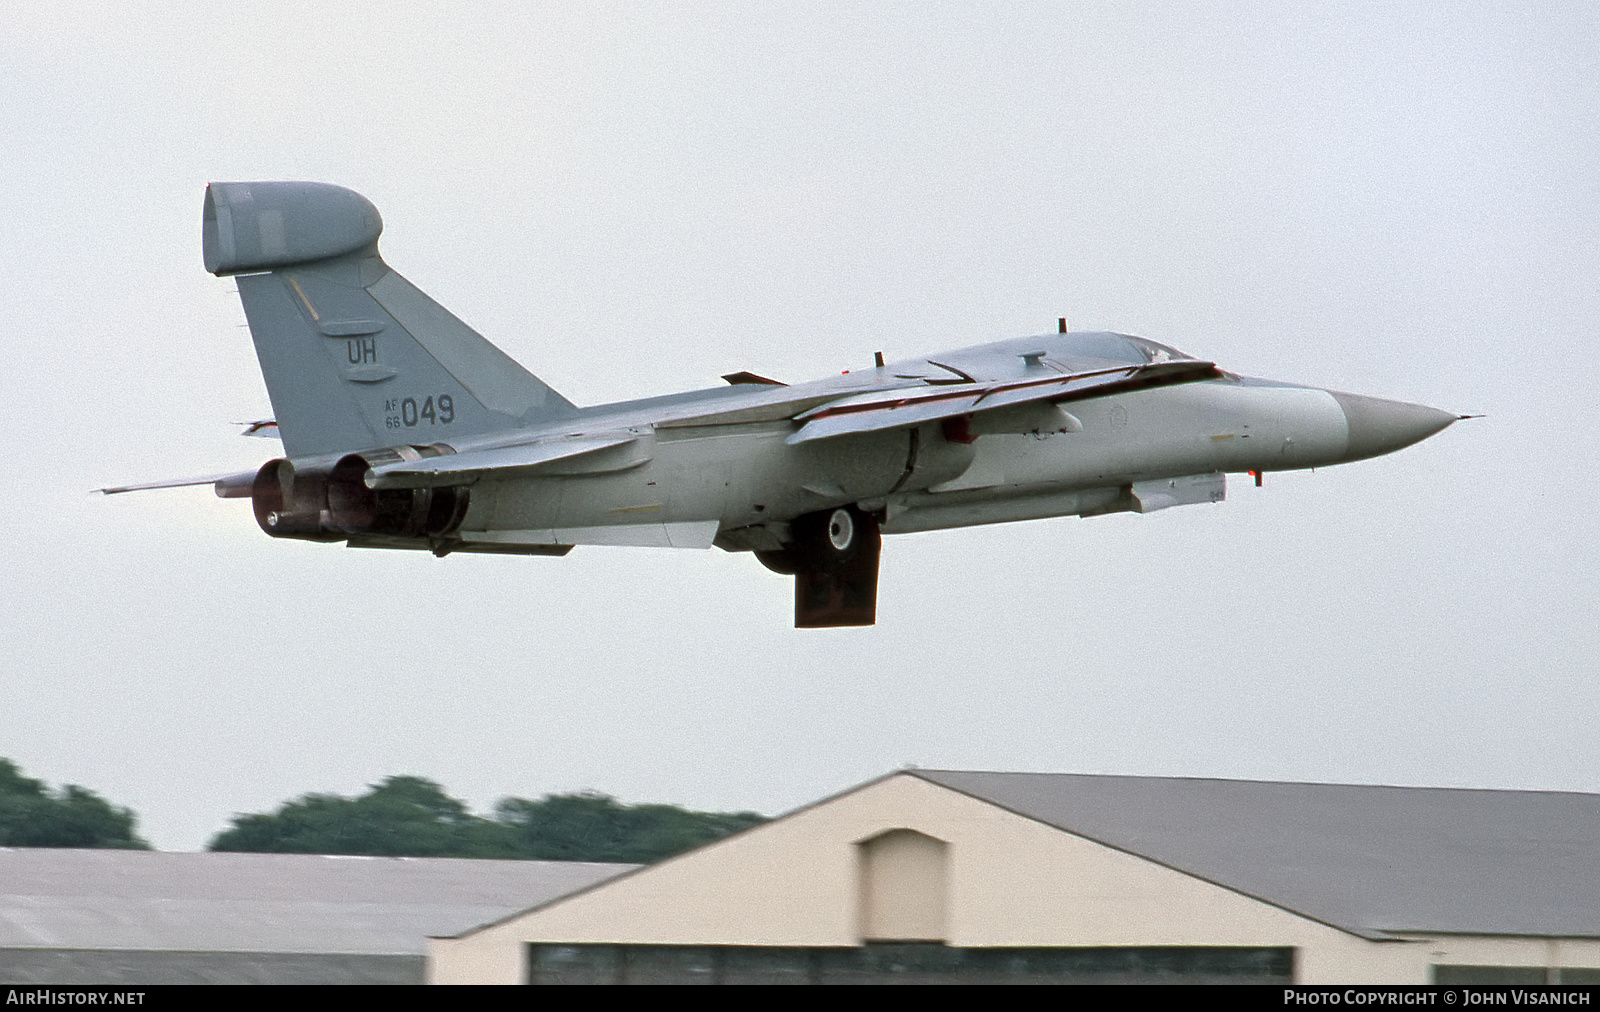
[1370, 860]
[233, 902]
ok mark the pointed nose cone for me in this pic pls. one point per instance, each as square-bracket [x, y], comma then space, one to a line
[1378, 426]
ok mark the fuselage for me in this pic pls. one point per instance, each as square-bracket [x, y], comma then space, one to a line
[712, 464]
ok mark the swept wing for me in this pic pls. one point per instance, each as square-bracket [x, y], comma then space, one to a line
[891, 409]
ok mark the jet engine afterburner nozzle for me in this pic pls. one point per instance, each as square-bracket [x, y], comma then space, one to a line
[318, 504]
[290, 503]
[356, 509]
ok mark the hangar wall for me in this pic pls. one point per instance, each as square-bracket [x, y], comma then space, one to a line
[1012, 882]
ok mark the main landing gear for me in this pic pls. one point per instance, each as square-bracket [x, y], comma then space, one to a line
[834, 560]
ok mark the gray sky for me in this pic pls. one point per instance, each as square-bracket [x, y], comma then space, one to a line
[1396, 199]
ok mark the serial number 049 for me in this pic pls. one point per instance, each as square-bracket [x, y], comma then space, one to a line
[439, 410]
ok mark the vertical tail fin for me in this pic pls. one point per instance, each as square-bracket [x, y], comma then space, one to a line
[354, 355]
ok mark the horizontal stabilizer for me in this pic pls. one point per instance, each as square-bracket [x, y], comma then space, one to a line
[264, 429]
[893, 409]
[499, 462]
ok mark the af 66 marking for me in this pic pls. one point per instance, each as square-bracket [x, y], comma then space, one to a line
[439, 410]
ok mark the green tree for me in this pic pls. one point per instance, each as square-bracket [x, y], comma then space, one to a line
[596, 827]
[33, 816]
[402, 816]
[410, 816]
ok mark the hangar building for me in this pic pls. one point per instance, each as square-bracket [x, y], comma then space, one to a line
[144, 917]
[941, 876]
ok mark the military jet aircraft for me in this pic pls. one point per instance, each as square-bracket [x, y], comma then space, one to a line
[404, 428]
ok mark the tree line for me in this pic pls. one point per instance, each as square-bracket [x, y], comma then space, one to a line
[32, 815]
[402, 816]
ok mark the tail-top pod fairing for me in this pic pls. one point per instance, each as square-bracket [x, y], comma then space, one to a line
[404, 428]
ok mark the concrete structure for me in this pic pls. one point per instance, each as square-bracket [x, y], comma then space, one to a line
[926, 875]
[143, 917]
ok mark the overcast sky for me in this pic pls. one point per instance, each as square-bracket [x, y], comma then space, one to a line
[1393, 199]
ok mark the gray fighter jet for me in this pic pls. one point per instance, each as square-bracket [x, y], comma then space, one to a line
[403, 428]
